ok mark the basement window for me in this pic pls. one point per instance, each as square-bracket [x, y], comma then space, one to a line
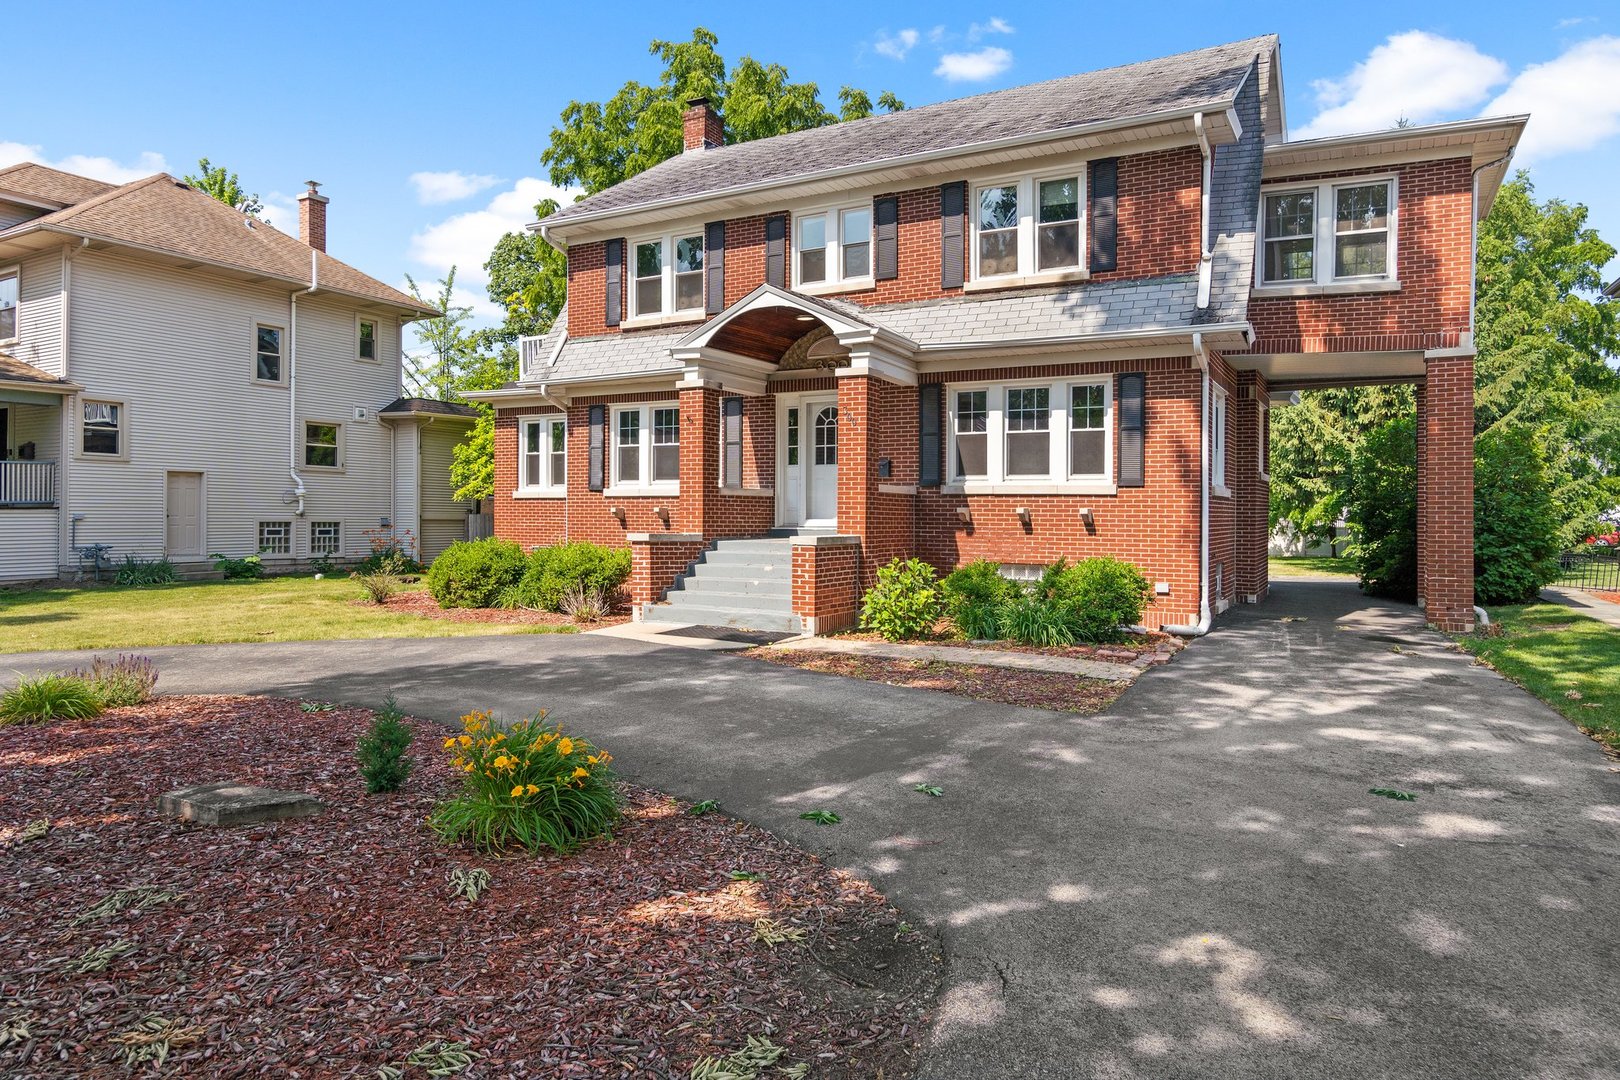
[275, 538]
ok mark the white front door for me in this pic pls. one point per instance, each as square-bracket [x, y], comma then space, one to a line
[185, 515]
[822, 501]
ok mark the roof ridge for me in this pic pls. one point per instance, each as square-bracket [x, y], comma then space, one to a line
[105, 197]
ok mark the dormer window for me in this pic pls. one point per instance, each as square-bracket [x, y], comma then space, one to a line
[834, 247]
[1028, 225]
[668, 275]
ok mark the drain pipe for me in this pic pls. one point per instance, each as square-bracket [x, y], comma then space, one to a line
[1205, 616]
[1206, 257]
[292, 384]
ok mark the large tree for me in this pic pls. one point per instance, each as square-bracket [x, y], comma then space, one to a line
[449, 347]
[218, 182]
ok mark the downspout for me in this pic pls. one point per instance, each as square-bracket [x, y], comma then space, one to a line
[1205, 616]
[292, 384]
[1206, 257]
[66, 427]
[554, 403]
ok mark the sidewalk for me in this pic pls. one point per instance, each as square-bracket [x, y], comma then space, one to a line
[1585, 603]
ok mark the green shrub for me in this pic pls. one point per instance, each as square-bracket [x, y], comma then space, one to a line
[381, 750]
[1515, 524]
[128, 680]
[1383, 509]
[49, 697]
[978, 582]
[1100, 595]
[905, 602]
[475, 573]
[1032, 619]
[552, 573]
[527, 785]
[978, 620]
[145, 571]
[249, 567]
[377, 585]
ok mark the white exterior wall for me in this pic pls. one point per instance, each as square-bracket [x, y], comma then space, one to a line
[38, 424]
[407, 475]
[444, 519]
[29, 550]
[16, 213]
[39, 313]
[176, 348]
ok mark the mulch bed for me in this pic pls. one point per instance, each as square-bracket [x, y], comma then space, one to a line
[1136, 647]
[331, 946]
[1010, 686]
[422, 603]
[1611, 597]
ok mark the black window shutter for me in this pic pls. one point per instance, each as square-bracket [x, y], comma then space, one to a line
[731, 410]
[929, 452]
[886, 230]
[1104, 218]
[776, 251]
[714, 267]
[952, 208]
[614, 287]
[1130, 403]
[598, 444]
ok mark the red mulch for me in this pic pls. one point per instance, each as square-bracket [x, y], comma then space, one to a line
[1010, 686]
[1611, 597]
[330, 946]
[422, 603]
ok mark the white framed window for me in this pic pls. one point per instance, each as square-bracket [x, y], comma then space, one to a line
[666, 275]
[1333, 232]
[275, 538]
[365, 338]
[647, 447]
[1029, 226]
[833, 246]
[1055, 433]
[102, 431]
[325, 537]
[1217, 438]
[9, 297]
[267, 357]
[543, 454]
[323, 444]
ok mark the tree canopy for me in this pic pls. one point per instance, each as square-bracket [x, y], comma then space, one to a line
[219, 183]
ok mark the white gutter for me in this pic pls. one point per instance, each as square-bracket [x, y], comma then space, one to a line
[292, 384]
[1206, 257]
[1205, 616]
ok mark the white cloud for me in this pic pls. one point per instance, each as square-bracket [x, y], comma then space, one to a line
[996, 25]
[936, 35]
[97, 168]
[986, 63]
[1575, 20]
[1414, 75]
[280, 210]
[443, 187]
[1567, 109]
[897, 45]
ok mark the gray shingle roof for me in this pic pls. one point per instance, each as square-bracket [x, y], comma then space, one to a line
[1205, 77]
[1233, 203]
[633, 353]
[429, 407]
[1079, 310]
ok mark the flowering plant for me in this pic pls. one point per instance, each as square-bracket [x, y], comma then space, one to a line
[526, 784]
[1610, 540]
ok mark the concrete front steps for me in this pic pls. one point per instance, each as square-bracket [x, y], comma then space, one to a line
[742, 583]
[196, 570]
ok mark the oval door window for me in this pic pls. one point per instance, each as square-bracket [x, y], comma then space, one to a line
[827, 436]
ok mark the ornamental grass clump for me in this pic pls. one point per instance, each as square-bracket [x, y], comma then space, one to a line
[525, 785]
[44, 698]
[128, 680]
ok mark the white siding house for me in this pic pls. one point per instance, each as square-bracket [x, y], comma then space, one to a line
[198, 382]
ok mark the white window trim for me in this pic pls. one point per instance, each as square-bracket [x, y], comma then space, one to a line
[667, 313]
[835, 281]
[253, 353]
[1028, 185]
[1057, 481]
[1325, 282]
[1219, 451]
[376, 339]
[14, 271]
[545, 489]
[123, 430]
[342, 445]
[643, 486]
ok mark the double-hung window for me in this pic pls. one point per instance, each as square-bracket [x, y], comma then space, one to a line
[1029, 427]
[1088, 430]
[543, 454]
[647, 447]
[1030, 225]
[1217, 439]
[103, 429]
[1053, 433]
[267, 353]
[1329, 233]
[668, 275]
[834, 246]
[971, 425]
[366, 339]
[323, 445]
[8, 304]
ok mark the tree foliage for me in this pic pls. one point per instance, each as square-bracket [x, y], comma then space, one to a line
[449, 347]
[219, 183]
[1516, 527]
[1383, 509]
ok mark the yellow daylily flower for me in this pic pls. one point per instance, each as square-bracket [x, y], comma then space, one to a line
[532, 789]
[517, 791]
[465, 740]
[565, 747]
[581, 772]
[448, 743]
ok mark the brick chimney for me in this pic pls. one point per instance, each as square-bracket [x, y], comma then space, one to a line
[312, 216]
[702, 128]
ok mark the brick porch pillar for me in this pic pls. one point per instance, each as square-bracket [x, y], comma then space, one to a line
[877, 424]
[1250, 488]
[699, 503]
[1446, 493]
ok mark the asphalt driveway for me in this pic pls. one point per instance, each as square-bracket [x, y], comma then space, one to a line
[1196, 884]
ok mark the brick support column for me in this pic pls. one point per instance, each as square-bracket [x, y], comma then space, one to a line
[877, 423]
[656, 560]
[700, 461]
[1446, 493]
[826, 583]
[1251, 490]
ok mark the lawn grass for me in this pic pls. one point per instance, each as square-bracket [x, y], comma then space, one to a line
[1312, 566]
[1566, 659]
[187, 613]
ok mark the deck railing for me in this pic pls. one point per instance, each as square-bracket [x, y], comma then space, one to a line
[27, 484]
[531, 359]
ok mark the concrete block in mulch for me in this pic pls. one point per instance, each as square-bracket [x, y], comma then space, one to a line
[235, 804]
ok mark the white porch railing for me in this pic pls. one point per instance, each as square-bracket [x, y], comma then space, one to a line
[27, 484]
[530, 356]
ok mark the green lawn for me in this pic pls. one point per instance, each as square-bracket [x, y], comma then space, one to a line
[1312, 566]
[1566, 659]
[272, 609]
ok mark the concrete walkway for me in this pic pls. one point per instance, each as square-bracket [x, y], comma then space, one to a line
[1196, 884]
[1585, 603]
[951, 654]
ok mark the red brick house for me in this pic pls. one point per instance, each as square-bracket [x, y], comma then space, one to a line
[1045, 321]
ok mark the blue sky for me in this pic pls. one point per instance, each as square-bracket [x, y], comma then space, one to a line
[425, 122]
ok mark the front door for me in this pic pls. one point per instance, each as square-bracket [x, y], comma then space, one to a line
[185, 515]
[822, 500]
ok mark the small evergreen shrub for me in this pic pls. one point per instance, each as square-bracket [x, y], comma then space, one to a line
[49, 697]
[1383, 508]
[381, 750]
[905, 602]
[978, 582]
[525, 785]
[1515, 524]
[145, 571]
[552, 573]
[978, 620]
[250, 566]
[1032, 619]
[128, 680]
[1100, 595]
[475, 573]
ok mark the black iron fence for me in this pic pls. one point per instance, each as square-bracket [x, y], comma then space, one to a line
[1594, 569]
